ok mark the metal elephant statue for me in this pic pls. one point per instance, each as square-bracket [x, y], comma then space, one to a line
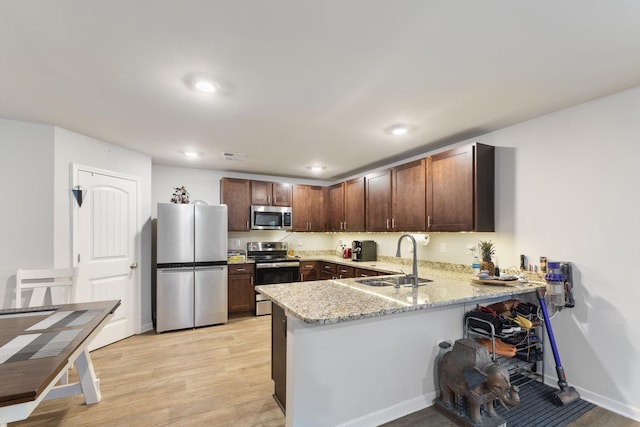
[467, 370]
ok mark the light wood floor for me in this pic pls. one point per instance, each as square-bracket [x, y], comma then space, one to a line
[216, 376]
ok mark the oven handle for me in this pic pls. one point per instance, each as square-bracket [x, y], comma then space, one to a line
[277, 264]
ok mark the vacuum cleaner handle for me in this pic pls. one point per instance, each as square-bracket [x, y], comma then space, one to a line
[566, 394]
[547, 324]
[562, 378]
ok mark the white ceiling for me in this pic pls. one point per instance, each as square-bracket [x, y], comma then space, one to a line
[307, 81]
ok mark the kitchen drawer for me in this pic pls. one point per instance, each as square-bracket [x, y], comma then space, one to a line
[307, 265]
[363, 272]
[345, 271]
[327, 270]
[241, 268]
[328, 267]
[308, 271]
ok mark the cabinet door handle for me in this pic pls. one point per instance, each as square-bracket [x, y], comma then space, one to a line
[241, 269]
[251, 280]
[247, 225]
[387, 223]
[393, 223]
[428, 221]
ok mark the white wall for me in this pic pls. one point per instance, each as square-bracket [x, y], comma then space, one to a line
[70, 148]
[567, 189]
[26, 168]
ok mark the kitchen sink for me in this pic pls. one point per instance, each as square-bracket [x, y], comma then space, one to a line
[392, 281]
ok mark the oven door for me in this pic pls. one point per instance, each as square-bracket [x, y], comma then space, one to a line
[272, 273]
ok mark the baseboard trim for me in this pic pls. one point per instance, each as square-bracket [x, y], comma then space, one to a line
[146, 327]
[609, 404]
[393, 412]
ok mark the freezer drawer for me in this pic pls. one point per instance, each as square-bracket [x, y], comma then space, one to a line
[174, 299]
[211, 295]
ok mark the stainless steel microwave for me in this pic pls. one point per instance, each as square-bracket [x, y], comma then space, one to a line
[270, 218]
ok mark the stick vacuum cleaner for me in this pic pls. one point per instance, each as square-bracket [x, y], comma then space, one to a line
[567, 394]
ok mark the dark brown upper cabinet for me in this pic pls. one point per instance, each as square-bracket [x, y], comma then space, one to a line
[235, 193]
[396, 198]
[409, 197]
[308, 208]
[460, 189]
[345, 206]
[271, 193]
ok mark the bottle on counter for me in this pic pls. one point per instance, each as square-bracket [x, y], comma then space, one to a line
[475, 265]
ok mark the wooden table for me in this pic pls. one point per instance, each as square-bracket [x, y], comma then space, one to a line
[36, 350]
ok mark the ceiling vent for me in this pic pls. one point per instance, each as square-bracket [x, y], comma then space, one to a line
[238, 157]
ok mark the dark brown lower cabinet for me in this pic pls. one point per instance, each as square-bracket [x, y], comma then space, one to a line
[279, 355]
[241, 295]
[308, 271]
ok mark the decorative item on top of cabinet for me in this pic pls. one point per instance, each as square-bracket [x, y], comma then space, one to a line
[241, 294]
[235, 193]
[345, 206]
[180, 195]
[271, 193]
[307, 208]
[460, 189]
[396, 198]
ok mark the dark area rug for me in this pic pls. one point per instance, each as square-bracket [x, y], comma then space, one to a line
[536, 408]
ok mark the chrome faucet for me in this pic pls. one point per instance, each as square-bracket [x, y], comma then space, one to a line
[414, 276]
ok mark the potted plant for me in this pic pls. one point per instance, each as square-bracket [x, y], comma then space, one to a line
[487, 250]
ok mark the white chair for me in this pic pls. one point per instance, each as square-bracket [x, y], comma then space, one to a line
[48, 287]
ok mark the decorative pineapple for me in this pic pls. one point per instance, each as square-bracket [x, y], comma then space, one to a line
[487, 251]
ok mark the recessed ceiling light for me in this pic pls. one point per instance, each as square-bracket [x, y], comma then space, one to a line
[202, 83]
[191, 154]
[398, 129]
[316, 168]
[206, 86]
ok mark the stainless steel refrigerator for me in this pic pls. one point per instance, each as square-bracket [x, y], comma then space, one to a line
[191, 285]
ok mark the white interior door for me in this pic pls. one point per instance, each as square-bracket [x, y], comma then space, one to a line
[107, 238]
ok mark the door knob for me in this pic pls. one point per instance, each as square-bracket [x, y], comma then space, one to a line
[133, 265]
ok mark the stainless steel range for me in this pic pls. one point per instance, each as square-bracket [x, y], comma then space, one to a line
[272, 266]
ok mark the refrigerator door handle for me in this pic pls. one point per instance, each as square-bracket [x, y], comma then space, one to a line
[210, 268]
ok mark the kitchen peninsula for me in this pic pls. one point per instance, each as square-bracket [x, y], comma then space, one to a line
[364, 355]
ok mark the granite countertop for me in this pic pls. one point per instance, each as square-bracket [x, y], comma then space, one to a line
[340, 300]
